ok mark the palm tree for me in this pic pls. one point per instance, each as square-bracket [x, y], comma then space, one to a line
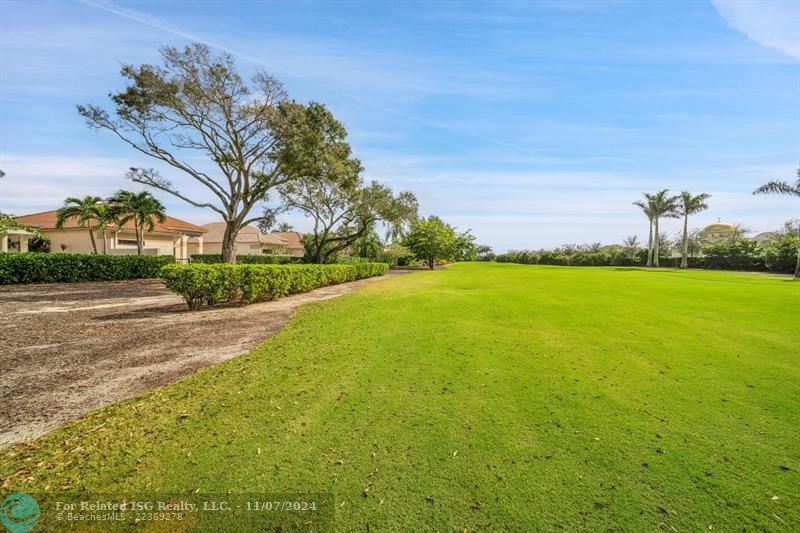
[784, 187]
[689, 204]
[143, 209]
[664, 206]
[647, 207]
[107, 217]
[631, 244]
[89, 212]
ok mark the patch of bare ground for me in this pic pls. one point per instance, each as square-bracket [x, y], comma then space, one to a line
[71, 347]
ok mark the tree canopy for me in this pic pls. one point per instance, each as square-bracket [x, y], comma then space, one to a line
[197, 103]
[329, 188]
[431, 239]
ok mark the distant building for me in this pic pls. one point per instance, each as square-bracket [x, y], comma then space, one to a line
[249, 241]
[294, 242]
[172, 237]
[716, 233]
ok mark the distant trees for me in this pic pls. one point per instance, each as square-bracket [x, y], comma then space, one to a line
[89, 212]
[631, 245]
[790, 189]
[431, 239]
[689, 204]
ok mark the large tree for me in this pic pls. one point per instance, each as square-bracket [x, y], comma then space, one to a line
[791, 189]
[89, 212]
[142, 209]
[329, 189]
[689, 204]
[195, 104]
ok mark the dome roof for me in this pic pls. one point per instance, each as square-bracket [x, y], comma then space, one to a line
[718, 227]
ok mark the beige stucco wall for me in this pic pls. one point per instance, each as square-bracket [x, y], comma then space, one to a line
[216, 248]
[77, 242]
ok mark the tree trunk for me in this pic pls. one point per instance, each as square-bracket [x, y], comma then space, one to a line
[94, 244]
[656, 246]
[229, 242]
[797, 268]
[139, 238]
[650, 246]
[105, 243]
[685, 246]
[430, 262]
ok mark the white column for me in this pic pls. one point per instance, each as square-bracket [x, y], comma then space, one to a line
[200, 245]
[184, 246]
[23, 243]
[4, 243]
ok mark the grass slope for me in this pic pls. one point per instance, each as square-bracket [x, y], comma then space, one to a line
[484, 396]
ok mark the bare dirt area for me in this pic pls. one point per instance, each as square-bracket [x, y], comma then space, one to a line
[68, 348]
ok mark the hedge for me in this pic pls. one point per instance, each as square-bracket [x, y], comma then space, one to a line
[238, 284]
[56, 268]
[214, 259]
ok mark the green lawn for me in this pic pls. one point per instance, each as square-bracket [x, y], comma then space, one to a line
[484, 396]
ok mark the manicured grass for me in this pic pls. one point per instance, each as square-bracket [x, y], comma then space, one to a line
[484, 397]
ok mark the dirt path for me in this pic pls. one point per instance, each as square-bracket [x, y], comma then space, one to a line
[68, 348]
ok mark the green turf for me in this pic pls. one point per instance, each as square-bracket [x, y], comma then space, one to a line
[486, 396]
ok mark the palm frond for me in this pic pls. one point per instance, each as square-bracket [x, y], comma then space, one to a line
[778, 187]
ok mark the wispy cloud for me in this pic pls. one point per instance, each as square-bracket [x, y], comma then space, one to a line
[771, 23]
[357, 73]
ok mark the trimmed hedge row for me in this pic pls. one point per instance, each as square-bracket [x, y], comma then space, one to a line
[243, 284]
[213, 259]
[59, 268]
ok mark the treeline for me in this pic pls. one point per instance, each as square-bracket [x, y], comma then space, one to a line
[777, 255]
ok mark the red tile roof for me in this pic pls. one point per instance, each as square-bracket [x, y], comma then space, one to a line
[47, 221]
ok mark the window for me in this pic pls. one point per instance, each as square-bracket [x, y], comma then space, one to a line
[127, 242]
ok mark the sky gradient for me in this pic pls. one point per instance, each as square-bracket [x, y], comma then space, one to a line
[533, 124]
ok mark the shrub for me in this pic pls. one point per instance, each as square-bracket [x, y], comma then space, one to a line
[59, 268]
[242, 284]
[735, 255]
[248, 259]
[351, 259]
[781, 254]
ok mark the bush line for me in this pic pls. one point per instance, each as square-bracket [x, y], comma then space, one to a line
[70, 268]
[214, 259]
[239, 284]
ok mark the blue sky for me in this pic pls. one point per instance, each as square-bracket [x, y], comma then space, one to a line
[534, 124]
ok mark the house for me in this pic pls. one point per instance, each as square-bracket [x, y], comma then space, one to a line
[172, 237]
[249, 241]
[716, 233]
[294, 242]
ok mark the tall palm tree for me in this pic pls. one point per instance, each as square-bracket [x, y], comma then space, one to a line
[647, 208]
[88, 211]
[784, 187]
[688, 204]
[143, 209]
[664, 206]
[106, 217]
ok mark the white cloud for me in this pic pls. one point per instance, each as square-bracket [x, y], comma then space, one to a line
[771, 23]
